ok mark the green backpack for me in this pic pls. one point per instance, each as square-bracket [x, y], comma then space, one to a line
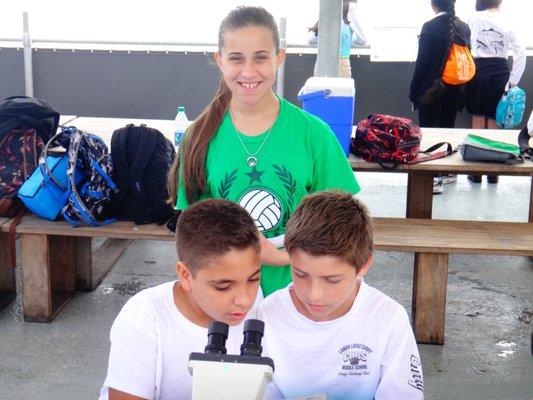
[477, 148]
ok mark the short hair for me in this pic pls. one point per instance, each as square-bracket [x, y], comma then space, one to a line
[211, 228]
[482, 5]
[332, 223]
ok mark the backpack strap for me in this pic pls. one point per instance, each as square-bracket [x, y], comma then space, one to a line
[43, 165]
[431, 154]
[120, 171]
[145, 151]
[74, 198]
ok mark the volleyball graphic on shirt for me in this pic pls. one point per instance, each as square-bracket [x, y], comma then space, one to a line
[263, 206]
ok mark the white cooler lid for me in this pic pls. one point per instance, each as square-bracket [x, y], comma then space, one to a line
[337, 86]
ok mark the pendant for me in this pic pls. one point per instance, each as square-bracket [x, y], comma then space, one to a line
[251, 161]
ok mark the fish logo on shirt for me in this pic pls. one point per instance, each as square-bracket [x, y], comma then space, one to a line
[490, 38]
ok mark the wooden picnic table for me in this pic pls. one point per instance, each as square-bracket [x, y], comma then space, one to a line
[420, 176]
[7, 272]
[66, 262]
[104, 127]
[65, 119]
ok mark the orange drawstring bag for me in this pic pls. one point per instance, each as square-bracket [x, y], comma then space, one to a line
[460, 67]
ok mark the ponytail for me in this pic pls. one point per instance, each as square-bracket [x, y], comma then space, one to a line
[193, 149]
[438, 85]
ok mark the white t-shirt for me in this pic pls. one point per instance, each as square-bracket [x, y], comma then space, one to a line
[492, 36]
[150, 346]
[368, 353]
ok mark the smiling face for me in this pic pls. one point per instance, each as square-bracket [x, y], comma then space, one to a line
[324, 287]
[224, 289]
[248, 62]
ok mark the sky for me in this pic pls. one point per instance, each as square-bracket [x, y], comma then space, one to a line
[188, 21]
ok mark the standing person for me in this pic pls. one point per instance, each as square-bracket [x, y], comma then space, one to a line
[253, 147]
[436, 101]
[329, 332]
[156, 330]
[492, 37]
[351, 32]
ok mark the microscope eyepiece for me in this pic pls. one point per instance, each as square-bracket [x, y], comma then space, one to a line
[253, 333]
[217, 334]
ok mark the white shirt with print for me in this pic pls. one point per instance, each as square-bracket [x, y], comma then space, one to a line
[150, 346]
[493, 36]
[368, 353]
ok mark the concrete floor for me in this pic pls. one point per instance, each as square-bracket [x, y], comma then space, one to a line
[487, 354]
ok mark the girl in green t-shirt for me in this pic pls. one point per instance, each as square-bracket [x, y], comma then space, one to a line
[253, 147]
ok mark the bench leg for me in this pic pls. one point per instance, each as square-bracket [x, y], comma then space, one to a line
[530, 219]
[419, 196]
[429, 297]
[92, 268]
[48, 275]
[8, 290]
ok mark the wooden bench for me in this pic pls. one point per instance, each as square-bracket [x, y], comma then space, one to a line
[7, 272]
[56, 256]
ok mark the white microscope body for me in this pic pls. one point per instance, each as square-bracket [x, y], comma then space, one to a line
[221, 376]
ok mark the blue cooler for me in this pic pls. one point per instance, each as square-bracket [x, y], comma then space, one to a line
[332, 100]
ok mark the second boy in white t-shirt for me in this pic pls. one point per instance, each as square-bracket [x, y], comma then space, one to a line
[329, 332]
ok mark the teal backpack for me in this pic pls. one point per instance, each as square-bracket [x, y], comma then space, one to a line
[511, 108]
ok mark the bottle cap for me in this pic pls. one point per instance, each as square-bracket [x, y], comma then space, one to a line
[181, 109]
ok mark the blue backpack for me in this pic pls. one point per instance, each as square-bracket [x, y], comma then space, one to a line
[511, 108]
[74, 181]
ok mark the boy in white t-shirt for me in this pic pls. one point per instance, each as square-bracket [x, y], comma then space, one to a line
[152, 337]
[329, 332]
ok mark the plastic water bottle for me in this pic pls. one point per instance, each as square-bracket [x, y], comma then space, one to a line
[180, 126]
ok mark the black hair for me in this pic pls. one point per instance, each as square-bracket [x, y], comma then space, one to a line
[482, 5]
[438, 85]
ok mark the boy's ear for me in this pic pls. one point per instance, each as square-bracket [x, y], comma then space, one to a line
[184, 275]
[366, 266]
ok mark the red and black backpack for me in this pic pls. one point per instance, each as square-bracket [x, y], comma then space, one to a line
[386, 139]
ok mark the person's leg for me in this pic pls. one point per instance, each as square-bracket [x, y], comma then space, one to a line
[429, 117]
[345, 69]
[491, 124]
[449, 107]
[478, 122]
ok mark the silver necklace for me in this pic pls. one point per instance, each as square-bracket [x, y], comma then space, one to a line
[252, 159]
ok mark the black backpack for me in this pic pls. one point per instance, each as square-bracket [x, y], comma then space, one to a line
[22, 111]
[142, 157]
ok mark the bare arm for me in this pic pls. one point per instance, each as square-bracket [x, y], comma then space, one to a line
[271, 255]
[118, 395]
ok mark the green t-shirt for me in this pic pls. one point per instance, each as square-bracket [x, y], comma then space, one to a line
[300, 156]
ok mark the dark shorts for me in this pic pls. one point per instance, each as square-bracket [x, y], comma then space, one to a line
[486, 89]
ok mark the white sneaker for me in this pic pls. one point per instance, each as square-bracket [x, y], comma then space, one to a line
[446, 179]
[438, 188]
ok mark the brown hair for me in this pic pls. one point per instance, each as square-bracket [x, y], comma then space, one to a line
[193, 150]
[345, 9]
[212, 227]
[332, 223]
[482, 5]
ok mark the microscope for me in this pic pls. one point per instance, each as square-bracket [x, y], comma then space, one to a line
[221, 376]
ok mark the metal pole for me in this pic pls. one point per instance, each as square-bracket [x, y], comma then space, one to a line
[283, 45]
[329, 37]
[28, 69]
